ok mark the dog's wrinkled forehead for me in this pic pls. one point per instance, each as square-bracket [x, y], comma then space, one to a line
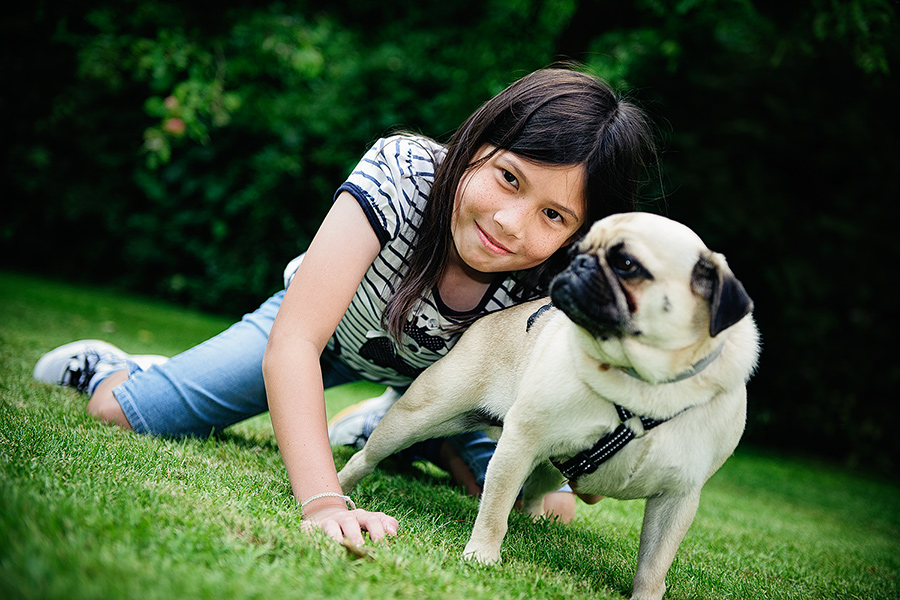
[647, 237]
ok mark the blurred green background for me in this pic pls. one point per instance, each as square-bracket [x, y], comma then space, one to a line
[187, 151]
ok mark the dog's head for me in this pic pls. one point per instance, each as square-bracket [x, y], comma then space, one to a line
[649, 293]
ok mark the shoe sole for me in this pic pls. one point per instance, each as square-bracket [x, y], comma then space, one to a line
[353, 408]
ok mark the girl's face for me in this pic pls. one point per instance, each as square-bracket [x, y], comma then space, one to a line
[510, 214]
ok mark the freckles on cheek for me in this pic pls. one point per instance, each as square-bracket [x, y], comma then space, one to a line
[543, 246]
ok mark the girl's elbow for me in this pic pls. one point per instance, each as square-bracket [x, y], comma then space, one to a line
[268, 360]
[287, 353]
[273, 355]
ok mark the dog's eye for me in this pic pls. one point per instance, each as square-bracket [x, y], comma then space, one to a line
[624, 265]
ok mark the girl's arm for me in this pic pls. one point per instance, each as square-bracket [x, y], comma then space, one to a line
[316, 300]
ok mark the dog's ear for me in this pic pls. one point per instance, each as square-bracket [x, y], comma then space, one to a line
[728, 300]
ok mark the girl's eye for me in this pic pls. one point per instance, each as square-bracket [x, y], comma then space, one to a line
[552, 214]
[510, 178]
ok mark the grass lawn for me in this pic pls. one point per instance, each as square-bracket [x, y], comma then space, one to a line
[89, 511]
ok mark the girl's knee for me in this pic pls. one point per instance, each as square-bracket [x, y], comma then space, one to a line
[560, 506]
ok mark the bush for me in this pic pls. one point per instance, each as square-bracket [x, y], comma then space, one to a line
[188, 154]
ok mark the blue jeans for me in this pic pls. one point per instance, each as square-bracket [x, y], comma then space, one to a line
[210, 386]
[220, 382]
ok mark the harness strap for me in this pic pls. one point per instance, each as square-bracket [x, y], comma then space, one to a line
[588, 461]
[537, 314]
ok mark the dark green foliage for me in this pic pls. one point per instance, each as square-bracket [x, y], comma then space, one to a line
[189, 153]
[780, 158]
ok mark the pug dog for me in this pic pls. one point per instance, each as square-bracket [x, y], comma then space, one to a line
[630, 383]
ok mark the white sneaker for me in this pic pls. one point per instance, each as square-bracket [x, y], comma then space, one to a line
[353, 425]
[75, 364]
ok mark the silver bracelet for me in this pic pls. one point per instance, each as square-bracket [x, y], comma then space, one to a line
[329, 495]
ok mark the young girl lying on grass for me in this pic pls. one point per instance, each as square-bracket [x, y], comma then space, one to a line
[421, 240]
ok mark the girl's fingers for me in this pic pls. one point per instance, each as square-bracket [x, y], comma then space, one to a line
[334, 530]
[378, 524]
[349, 525]
[389, 523]
[350, 529]
[375, 529]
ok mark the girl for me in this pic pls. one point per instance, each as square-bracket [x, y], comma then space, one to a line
[420, 241]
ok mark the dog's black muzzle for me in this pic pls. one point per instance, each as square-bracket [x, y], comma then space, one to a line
[591, 297]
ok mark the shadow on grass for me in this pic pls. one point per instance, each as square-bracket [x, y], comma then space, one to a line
[593, 560]
[245, 440]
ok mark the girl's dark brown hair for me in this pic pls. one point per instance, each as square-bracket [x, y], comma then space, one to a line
[554, 116]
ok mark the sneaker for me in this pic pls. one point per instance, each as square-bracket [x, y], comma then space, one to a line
[353, 425]
[75, 364]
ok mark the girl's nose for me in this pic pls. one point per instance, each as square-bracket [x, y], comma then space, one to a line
[511, 220]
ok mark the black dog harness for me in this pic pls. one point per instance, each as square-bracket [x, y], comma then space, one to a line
[588, 461]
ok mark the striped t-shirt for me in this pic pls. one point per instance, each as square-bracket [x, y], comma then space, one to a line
[391, 184]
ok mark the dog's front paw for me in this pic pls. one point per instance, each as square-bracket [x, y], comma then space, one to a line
[482, 555]
[645, 591]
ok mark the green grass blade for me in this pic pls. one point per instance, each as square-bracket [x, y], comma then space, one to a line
[89, 511]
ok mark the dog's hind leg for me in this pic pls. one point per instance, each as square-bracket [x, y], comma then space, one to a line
[666, 520]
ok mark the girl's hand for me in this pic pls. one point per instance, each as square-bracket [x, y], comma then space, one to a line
[339, 523]
[323, 286]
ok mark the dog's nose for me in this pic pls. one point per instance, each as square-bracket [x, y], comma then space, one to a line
[588, 262]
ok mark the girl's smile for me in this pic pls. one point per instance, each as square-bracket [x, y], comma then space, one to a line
[511, 214]
[490, 243]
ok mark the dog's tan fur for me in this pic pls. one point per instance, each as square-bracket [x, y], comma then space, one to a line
[554, 385]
